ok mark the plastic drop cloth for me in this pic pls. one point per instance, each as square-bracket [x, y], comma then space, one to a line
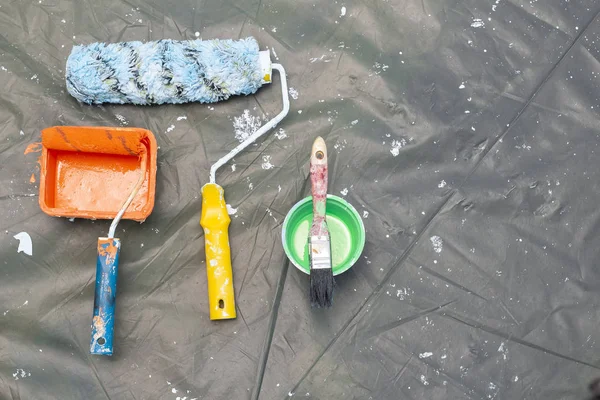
[464, 132]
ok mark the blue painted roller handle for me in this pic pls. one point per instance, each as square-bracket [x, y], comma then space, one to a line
[105, 295]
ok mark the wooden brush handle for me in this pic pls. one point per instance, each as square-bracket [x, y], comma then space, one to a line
[318, 178]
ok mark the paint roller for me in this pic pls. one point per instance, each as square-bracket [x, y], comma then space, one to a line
[121, 142]
[169, 71]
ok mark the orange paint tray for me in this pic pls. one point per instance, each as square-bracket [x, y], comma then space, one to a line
[88, 172]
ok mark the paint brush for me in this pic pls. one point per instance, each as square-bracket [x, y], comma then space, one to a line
[319, 242]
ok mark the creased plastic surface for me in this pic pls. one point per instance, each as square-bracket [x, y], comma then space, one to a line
[465, 132]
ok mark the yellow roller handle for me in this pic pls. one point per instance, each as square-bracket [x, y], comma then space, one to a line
[215, 221]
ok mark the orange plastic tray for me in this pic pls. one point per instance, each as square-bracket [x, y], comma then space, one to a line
[88, 172]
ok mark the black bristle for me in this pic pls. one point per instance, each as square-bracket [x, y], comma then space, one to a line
[321, 287]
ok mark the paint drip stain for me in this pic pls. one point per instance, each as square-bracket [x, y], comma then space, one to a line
[33, 148]
[396, 146]
[437, 243]
[280, 134]
[245, 125]
[477, 23]
[32, 179]
[231, 210]
[266, 164]
[25, 243]
[293, 93]
[21, 373]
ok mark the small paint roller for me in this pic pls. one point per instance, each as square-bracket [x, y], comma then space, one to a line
[107, 268]
[106, 143]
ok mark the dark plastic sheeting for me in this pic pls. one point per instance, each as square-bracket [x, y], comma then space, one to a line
[473, 121]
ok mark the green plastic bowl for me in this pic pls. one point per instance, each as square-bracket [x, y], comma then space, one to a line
[346, 230]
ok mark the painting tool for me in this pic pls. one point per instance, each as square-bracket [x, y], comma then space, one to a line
[342, 228]
[86, 172]
[215, 221]
[169, 71]
[319, 241]
[166, 71]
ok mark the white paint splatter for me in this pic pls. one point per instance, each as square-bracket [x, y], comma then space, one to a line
[344, 191]
[21, 373]
[365, 214]
[274, 29]
[299, 111]
[443, 357]
[524, 146]
[278, 188]
[503, 350]
[21, 133]
[25, 243]
[516, 378]
[170, 128]
[396, 146]
[231, 210]
[343, 11]
[340, 145]
[477, 23]
[213, 263]
[245, 125]
[315, 59]
[173, 390]
[427, 354]
[280, 134]
[197, 34]
[181, 117]
[424, 380]
[462, 85]
[63, 21]
[404, 293]
[121, 119]
[437, 243]
[274, 53]
[380, 68]
[271, 214]
[442, 184]
[354, 122]
[495, 5]
[266, 164]
[293, 93]
[233, 167]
